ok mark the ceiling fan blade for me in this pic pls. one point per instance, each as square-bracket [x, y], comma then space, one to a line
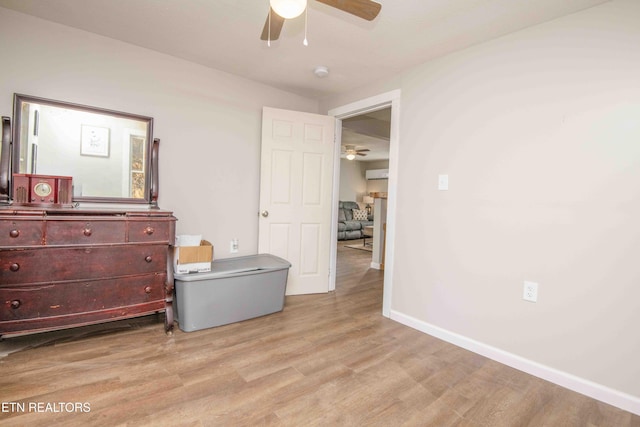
[276, 26]
[365, 9]
[360, 154]
[362, 150]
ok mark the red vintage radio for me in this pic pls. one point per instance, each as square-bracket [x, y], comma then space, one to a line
[42, 190]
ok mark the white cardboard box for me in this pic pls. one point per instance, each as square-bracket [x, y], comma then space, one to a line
[189, 257]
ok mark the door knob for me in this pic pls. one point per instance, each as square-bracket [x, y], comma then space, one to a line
[264, 213]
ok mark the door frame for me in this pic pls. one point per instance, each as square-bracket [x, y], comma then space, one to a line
[374, 103]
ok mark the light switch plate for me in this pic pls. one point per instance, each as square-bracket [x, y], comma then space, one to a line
[443, 182]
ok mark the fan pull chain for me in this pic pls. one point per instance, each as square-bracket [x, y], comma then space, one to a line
[306, 12]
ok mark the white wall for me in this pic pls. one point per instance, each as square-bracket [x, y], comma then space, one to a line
[353, 186]
[353, 183]
[209, 122]
[539, 132]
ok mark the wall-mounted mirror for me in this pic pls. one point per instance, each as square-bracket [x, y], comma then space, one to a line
[107, 153]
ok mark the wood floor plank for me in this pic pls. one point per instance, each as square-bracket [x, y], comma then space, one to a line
[326, 360]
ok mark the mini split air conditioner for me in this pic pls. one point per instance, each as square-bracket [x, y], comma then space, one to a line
[377, 174]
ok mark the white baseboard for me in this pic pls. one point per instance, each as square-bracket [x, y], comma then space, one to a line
[375, 265]
[588, 388]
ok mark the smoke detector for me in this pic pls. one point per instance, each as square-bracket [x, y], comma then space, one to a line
[321, 71]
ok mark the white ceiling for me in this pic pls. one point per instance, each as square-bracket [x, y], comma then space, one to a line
[225, 34]
[371, 131]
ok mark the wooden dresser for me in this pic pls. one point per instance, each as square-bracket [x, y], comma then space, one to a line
[61, 268]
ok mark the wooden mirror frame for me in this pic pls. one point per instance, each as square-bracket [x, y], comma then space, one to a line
[5, 161]
[10, 160]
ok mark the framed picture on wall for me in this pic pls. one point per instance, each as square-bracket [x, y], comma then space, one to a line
[94, 141]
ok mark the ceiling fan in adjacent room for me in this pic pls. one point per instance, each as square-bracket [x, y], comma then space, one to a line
[287, 9]
[351, 152]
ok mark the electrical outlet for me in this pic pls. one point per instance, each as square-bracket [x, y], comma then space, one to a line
[234, 246]
[530, 292]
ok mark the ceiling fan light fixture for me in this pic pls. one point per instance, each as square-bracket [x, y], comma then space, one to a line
[288, 8]
[351, 152]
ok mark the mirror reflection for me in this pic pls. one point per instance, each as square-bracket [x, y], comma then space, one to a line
[106, 152]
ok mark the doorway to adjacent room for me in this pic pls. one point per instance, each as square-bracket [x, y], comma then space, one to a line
[390, 101]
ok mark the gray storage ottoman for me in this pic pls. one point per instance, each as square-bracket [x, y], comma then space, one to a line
[235, 289]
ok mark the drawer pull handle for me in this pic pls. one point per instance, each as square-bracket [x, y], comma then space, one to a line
[148, 258]
[15, 303]
[149, 231]
[87, 232]
[147, 289]
[14, 267]
[14, 233]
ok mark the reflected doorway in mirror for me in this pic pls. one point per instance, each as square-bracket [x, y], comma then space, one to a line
[137, 162]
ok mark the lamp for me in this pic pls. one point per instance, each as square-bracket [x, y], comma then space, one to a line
[288, 8]
[351, 156]
[368, 200]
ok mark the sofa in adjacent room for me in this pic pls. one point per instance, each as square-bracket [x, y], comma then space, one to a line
[350, 222]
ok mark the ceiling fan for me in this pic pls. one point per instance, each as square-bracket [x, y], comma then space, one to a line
[351, 152]
[365, 9]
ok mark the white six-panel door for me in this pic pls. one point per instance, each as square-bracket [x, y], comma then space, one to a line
[296, 181]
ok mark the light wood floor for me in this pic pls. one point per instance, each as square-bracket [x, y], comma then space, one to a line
[326, 360]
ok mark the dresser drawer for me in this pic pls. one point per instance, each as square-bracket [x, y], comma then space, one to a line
[52, 264]
[146, 230]
[21, 232]
[61, 232]
[27, 302]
